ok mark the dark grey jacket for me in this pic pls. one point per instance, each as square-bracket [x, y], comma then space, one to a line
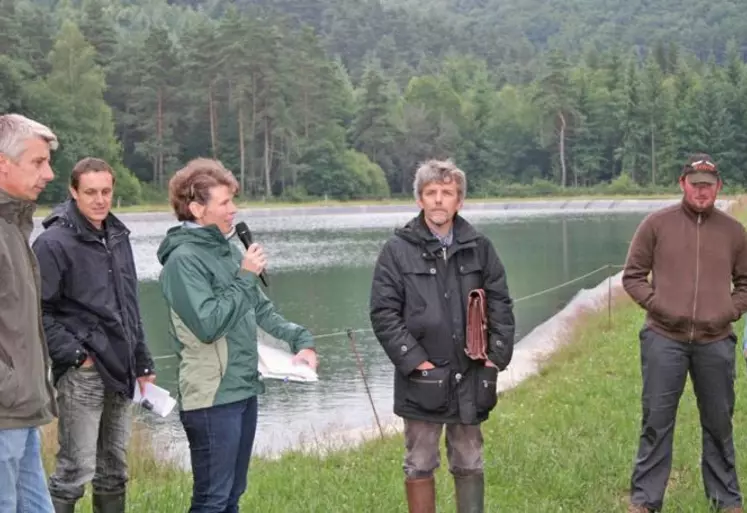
[90, 298]
[26, 395]
[418, 311]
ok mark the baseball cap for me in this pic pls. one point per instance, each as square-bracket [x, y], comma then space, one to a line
[700, 168]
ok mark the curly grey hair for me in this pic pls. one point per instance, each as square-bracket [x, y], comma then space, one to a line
[439, 171]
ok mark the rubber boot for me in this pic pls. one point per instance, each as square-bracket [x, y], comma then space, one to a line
[470, 493]
[109, 503]
[61, 506]
[421, 495]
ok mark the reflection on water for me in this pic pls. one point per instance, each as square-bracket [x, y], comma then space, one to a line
[320, 273]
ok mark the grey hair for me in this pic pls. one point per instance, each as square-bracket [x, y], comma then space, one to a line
[15, 130]
[438, 171]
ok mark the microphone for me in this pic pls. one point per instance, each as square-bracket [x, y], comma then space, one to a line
[242, 230]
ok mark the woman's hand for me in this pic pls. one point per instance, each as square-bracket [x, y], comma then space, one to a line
[254, 259]
[307, 356]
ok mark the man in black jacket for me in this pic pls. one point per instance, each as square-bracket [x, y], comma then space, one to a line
[419, 294]
[95, 336]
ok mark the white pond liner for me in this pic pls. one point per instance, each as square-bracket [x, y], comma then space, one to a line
[529, 356]
[546, 338]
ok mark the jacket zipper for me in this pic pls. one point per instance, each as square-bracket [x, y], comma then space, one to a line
[110, 258]
[697, 278]
[220, 362]
[438, 382]
[486, 383]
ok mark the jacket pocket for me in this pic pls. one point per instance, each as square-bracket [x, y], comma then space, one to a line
[486, 395]
[715, 315]
[9, 390]
[5, 357]
[666, 318]
[470, 273]
[428, 390]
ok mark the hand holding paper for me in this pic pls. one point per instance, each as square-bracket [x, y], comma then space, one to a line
[154, 398]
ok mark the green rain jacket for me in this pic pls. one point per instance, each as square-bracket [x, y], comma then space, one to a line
[215, 308]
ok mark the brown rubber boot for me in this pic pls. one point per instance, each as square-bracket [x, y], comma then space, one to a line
[421, 495]
[470, 493]
[109, 503]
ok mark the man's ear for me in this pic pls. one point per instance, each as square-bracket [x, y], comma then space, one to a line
[4, 162]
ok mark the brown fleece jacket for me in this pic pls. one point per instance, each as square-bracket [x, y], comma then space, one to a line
[693, 260]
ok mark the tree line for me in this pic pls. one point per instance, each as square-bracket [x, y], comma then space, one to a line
[148, 86]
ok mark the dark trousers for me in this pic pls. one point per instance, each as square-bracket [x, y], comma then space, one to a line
[220, 445]
[665, 364]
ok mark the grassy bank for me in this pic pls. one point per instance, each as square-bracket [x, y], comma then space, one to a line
[563, 441]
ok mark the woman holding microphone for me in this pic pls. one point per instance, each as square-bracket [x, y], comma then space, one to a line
[215, 306]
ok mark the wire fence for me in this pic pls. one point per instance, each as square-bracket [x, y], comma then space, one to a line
[170, 433]
[533, 295]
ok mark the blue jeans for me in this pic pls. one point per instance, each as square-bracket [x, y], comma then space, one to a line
[23, 485]
[220, 445]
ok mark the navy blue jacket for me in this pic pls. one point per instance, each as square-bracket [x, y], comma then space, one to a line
[89, 298]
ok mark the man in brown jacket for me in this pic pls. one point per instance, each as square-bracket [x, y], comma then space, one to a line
[26, 397]
[694, 253]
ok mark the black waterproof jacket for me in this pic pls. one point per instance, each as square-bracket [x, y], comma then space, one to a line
[89, 298]
[418, 311]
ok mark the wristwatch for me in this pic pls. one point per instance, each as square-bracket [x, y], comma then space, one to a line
[80, 357]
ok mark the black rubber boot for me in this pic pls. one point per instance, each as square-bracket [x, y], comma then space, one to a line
[470, 493]
[61, 506]
[109, 503]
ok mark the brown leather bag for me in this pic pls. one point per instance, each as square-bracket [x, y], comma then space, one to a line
[477, 325]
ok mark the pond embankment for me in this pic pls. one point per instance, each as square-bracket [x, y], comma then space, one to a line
[562, 437]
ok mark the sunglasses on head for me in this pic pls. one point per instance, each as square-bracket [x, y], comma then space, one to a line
[703, 165]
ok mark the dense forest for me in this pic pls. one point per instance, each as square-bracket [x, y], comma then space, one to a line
[344, 97]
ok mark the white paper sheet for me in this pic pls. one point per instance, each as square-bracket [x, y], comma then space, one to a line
[275, 363]
[156, 399]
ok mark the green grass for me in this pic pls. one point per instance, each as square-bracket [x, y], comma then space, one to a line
[562, 441]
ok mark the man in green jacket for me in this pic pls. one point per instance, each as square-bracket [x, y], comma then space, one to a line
[697, 258]
[26, 396]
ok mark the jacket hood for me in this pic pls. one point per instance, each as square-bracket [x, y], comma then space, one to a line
[417, 232]
[209, 237]
[66, 214]
[15, 210]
